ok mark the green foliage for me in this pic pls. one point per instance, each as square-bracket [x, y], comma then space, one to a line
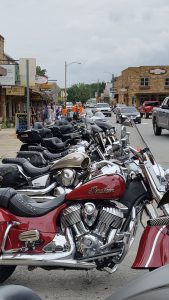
[40, 72]
[82, 92]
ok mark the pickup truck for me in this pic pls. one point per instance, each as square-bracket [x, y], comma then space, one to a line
[147, 108]
[160, 117]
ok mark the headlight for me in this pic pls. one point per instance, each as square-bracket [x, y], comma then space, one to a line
[123, 116]
[138, 116]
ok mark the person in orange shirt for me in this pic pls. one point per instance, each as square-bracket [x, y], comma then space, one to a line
[74, 108]
[80, 108]
[64, 111]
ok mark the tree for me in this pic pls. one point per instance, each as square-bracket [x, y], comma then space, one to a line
[40, 72]
[82, 92]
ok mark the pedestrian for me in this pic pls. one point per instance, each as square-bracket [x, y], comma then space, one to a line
[64, 111]
[80, 108]
[74, 108]
[57, 113]
[45, 115]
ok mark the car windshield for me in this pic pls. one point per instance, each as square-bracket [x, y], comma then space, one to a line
[99, 114]
[102, 105]
[151, 104]
[128, 110]
[69, 104]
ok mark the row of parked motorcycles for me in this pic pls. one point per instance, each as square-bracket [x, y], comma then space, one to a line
[73, 197]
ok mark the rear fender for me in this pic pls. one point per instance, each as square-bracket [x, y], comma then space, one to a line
[153, 250]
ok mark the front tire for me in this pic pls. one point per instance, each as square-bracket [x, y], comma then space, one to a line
[6, 272]
[157, 129]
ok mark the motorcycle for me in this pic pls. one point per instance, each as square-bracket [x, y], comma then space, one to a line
[153, 247]
[51, 180]
[93, 226]
[152, 286]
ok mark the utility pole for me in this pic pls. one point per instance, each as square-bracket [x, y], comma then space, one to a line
[65, 83]
[27, 93]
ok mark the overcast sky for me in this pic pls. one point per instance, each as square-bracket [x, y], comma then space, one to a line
[105, 36]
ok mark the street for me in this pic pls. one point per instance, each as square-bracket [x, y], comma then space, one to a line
[81, 285]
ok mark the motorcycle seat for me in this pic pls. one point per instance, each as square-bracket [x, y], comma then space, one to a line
[72, 136]
[38, 148]
[45, 132]
[52, 156]
[36, 158]
[28, 168]
[24, 206]
[66, 128]
[53, 145]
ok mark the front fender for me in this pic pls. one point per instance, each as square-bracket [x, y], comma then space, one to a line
[153, 250]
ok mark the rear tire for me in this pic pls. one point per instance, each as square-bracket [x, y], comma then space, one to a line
[157, 130]
[6, 272]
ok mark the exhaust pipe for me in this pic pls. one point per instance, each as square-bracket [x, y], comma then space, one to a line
[59, 259]
[34, 192]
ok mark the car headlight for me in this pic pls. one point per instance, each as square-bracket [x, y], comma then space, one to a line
[138, 116]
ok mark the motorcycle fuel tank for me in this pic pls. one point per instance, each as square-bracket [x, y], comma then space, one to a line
[104, 187]
[72, 160]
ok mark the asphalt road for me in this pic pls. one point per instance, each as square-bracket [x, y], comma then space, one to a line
[93, 285]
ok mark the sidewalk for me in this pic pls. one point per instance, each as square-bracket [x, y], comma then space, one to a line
[9, 144]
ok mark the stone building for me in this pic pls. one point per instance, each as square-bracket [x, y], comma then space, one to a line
[137, 84]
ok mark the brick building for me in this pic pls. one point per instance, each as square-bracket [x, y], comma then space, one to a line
[137, 84]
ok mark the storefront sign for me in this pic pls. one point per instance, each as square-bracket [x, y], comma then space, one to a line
[157, 71]
[15, 91]
[41, 79]
[23, 71]
[20, 122]
[9, 78]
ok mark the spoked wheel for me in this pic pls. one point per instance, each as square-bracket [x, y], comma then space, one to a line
[6, 272]
[157, 130]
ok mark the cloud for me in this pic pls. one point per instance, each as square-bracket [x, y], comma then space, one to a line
[106, 36]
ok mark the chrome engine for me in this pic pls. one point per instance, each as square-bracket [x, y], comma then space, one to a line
[94, 228]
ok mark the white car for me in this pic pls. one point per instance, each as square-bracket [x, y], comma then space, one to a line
[104, 108]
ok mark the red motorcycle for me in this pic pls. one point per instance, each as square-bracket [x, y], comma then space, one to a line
[154, 244]
[91, 227]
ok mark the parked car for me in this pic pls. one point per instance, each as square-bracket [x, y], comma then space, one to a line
[69, 106]
[104, 108]
[146, 108]
[122, 113]
[160, 117]
[118, 105]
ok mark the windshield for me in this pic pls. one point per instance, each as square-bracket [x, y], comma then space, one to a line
[151, 104]
[102, 105]
[69, 104]
[99, 114]
[128, 110]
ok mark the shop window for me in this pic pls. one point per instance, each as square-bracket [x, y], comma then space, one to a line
[144, 81]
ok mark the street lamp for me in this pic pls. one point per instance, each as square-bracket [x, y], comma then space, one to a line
[66, 65]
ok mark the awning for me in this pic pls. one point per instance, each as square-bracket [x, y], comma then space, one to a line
[39, 96]
[3, 71]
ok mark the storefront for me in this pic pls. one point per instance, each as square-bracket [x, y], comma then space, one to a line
[137, 84]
